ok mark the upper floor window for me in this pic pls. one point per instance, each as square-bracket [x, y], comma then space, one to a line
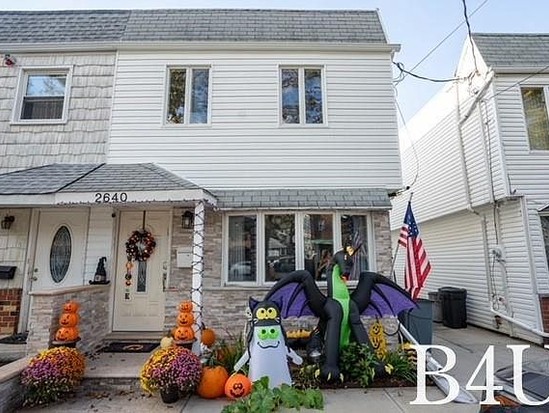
[535, 112]
[302, 100]
[43, 95]
[188, 96]
[263, 247]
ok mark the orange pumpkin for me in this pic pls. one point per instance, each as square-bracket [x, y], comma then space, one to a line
[185, 319]
[71, 307]
[208, 337]
[183, 333]
[186, 306]
[67, 334]
[212, 383]
[238, 385]
[69, 320]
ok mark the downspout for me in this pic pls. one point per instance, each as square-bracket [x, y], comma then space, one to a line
[459, 122]
[534, 283]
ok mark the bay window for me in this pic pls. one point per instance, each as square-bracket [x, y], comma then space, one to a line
[262, 247]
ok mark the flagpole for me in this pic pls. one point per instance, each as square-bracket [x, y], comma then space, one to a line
[397, 248]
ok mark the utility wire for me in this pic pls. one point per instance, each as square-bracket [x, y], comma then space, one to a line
[441, 42]
[400, 67]
[519, 81]
[470, 34]
[412, 143]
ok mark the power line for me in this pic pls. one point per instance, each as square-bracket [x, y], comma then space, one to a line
[519, 81]
[442, 42]
[470, 34]
[405, 72]
[412, 144]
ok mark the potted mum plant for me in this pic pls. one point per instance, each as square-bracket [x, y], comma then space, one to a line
[171, 371]
[51, 374]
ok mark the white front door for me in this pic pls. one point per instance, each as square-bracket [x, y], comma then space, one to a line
[60, 249]
[139, 301]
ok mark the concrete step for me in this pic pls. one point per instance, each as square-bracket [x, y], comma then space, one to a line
[134, 336]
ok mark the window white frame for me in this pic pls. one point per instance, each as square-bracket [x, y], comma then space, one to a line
[545, 89]
[22, 83]
[299, 241]
[188, 91]
[301, 79]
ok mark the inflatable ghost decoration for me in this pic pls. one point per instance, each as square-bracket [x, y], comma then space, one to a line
[267, 352]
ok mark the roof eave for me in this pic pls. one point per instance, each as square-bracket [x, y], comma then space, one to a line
[197, 45]
[520, 69]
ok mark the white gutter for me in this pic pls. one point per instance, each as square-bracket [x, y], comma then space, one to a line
[197, 45]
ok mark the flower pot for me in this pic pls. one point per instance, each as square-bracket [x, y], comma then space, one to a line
[170, 395]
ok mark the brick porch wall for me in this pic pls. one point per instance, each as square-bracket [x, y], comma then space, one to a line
[544, 305]
[10, 307]
[224, 306]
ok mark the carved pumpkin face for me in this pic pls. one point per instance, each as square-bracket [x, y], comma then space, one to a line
[186, 306]
[238, 385]
[183, 333]
[71, 307]
[185, 319]
[67, 334]
[68, 320]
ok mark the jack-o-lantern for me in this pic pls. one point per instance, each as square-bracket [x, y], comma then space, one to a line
[68, 320]
[186, 306]
[71, 307]
[207, 337]
[185, 319]
[183, 333]
[67, 334]
[238, 385]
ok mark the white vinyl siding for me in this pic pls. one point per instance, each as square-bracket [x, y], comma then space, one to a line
[100, 241]
[244, 145]
[528, 171]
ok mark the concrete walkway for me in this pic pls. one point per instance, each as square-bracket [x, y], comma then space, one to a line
[469, 345]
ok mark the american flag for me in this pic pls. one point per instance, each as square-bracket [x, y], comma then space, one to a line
[417, 267]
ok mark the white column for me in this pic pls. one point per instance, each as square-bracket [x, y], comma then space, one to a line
[198, 271]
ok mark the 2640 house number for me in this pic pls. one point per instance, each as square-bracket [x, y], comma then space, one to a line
[109, 197]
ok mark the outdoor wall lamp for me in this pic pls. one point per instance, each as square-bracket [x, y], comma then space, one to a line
[187, 220]
[7, 221]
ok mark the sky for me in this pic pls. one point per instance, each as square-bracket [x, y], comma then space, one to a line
[417, 25]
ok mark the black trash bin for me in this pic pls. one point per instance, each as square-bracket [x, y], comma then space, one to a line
[419, 321]
[454, 310]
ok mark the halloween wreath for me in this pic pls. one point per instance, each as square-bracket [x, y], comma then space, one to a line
[140, 245]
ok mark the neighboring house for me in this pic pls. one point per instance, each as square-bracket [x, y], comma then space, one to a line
[247, 142]
[482, 191]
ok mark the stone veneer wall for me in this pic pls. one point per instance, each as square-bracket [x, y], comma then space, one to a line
[10, 306]
[224, 306]
[11, 390]
[47, 306]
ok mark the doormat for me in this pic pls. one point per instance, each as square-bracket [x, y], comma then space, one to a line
[20, 338]
[125, 347]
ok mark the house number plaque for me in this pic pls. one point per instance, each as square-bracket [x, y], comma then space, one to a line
[110, 197]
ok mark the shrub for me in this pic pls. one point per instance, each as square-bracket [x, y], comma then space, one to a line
[358, 363]
[171, 366]
[52, 373]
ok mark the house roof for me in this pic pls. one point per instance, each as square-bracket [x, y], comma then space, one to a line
[352, 198]
[513, 50]
[129, 26]
[62, 178]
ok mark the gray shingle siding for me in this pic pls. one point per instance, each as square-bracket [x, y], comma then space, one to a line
[513, 50]
[130, 26]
